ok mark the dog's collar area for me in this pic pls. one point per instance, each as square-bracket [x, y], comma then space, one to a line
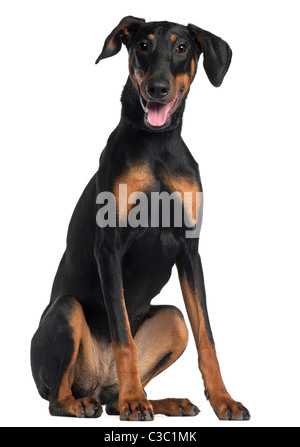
[157, 114]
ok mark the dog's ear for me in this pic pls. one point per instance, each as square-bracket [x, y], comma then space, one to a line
[216, 52]
[126, 28]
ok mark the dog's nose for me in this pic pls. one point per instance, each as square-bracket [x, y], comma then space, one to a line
[158, 88]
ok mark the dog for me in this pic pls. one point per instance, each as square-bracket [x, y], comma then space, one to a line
[100, 340]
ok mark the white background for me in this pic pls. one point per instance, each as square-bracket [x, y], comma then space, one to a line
[57, 111]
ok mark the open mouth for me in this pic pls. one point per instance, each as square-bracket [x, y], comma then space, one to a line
[158, 115]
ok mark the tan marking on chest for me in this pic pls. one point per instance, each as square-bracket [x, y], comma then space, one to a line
[138, 178]
[191, 193]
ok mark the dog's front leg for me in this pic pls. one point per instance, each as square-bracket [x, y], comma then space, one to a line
[133, 404]
[192, 285]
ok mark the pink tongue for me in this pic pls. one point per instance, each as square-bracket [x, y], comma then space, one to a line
[158, 113]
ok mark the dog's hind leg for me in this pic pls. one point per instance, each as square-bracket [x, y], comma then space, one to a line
[58, 348]
[160, 341]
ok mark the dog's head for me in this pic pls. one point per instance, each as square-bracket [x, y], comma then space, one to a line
[163, 59]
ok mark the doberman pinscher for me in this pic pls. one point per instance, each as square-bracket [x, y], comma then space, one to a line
[100, 341]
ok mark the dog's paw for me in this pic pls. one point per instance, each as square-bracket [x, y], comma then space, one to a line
[136, 410]
[175, 407]
[228, 409]
[81, 408]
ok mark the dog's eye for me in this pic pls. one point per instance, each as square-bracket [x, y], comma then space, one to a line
[142, 46]
[181, 48]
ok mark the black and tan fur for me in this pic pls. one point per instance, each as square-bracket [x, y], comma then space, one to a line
[100, 340]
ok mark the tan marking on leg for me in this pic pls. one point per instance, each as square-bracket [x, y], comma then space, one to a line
[215, 389]
[132, 397]
[174, 407]
[208, 362]
[68, 377]
[159, 335]
[65, 401]
[130, 387]
[163, 333]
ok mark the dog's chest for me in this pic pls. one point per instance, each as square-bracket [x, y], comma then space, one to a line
[140, 184]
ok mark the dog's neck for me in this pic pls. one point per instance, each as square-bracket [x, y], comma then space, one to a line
[132, 115]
